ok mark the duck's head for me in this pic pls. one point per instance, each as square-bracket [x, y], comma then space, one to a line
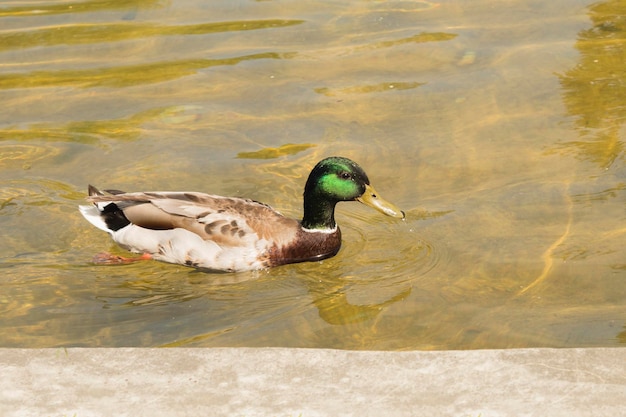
[337, 179]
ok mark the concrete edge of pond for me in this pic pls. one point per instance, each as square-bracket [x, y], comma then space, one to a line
[79, 382]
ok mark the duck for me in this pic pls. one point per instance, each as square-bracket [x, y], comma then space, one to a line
[232, 234]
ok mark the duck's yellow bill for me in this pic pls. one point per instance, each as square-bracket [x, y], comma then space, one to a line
[371, 198]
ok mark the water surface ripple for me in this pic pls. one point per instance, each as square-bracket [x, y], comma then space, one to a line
[497, 126]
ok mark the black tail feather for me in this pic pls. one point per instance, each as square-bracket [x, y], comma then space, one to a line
[112, 215]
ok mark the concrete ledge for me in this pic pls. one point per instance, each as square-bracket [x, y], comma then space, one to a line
[309, 382]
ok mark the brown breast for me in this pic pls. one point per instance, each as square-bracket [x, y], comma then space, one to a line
[307, 246]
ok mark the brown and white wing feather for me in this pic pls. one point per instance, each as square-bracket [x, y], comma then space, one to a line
[261, 218]
[209, 216]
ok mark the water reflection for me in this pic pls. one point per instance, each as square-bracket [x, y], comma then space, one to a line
[419, 38]
[361, 89]
[621, 336]
[23, 156]
[125, 75]
[594, 90]
[272, 153]
[91, 132]
[331, 300]
[50, 8]
[98, 33]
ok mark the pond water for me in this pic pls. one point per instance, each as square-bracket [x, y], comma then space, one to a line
[497, 126]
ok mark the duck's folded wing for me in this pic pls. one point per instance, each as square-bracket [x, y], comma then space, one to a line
[225, 220]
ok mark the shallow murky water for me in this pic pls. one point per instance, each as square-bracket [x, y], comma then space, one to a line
[498, 127]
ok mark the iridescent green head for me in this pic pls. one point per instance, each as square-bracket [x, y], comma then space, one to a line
[337, 179]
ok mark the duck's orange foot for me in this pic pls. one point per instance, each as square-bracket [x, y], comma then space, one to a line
[105, 258]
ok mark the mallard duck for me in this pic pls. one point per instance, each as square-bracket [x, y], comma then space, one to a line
[234, 234]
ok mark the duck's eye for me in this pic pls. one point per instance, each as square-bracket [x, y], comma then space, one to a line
[345, 175]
